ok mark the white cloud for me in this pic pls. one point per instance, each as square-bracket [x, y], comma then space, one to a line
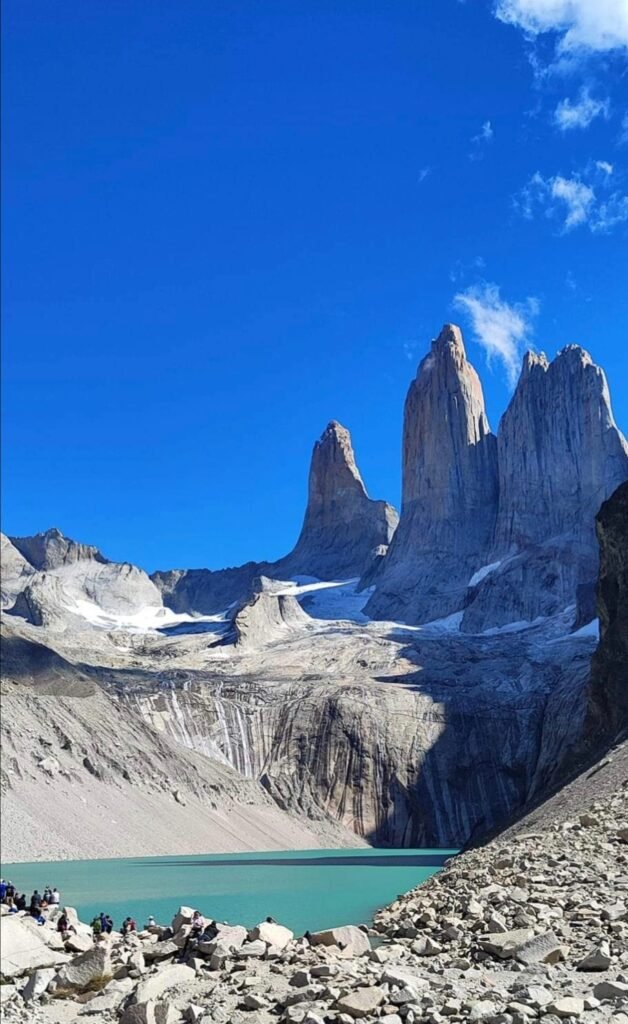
[580, 114]
[581, 25]
[574, 201]
[604, 166]
[500, 328]
[478, 141]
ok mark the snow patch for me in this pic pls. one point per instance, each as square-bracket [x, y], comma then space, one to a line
[591, 628]
[483, 573]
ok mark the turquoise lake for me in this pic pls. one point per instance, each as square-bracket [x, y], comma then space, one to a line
[303, 889]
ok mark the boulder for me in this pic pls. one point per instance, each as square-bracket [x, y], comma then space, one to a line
[183, 916]
[611, 990]
[149, 1013]
[25, 946]
[568, 1006]
[111, 997]
[7, 994]
[79, 943]
[361, 1001]
[504, 944]
[597, 960]
[86, 968]
[37, 983]
[349, 938]
[272, 934]
[165, 979]
[544, 948]
[255, 948]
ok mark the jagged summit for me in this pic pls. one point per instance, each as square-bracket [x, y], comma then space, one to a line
[449, 488]
[342, 527]
[52, 549]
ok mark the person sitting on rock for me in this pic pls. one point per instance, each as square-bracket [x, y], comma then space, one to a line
[47, 894]
[20, 902]
[151, 923]
[128, 925]
[54, 898]
[197, 927]
[63, 925]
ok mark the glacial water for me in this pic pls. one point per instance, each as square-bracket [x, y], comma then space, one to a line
[303, 889]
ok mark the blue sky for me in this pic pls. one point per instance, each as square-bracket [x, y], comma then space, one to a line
[226, 224]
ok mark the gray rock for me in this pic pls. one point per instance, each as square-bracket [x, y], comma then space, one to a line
[37, 983]
[361, 1001]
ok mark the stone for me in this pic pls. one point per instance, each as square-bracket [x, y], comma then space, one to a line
[254, 1002]
[361, 1001]
[543, 948]
[111, 997]
[597, 960]
[503, 944]
[272, 934]
[8, 993]
[194, 1013]
[255, 948]
[37, 983]
[481, 1010]
[161, 950]
[86, 968]
[300, 979]
[350, 939]
[611, 990]
[79, 943]
[568, 1006]
[155, 985]
[182, 917]
[25, 946]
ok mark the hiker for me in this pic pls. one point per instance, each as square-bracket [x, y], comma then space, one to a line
[96, 926]
[20, 901]
[35, 905]
[197, 927]
[64, 927]
[3, 890]
[47, 894]
[128, 925]
[151, 923]
[108, 924]
[54, 898]
[10, 889]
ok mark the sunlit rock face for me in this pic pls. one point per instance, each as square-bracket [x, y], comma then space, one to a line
[560, 455]
[449, 490]
[344, 534]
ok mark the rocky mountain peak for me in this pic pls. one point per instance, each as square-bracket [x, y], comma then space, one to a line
[52, 549]
[333, 471]
[343, 529]
[449, 487]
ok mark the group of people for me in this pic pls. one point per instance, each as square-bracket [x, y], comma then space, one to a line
[38, 903]
[50, 898]
[103, 925]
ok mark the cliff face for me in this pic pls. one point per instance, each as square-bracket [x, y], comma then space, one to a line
[607, 714]
[449, 489]
[344, 529]
[500, 528]
[559, 455]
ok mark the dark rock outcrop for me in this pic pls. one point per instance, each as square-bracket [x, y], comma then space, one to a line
[449, 490]
[607, 716]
